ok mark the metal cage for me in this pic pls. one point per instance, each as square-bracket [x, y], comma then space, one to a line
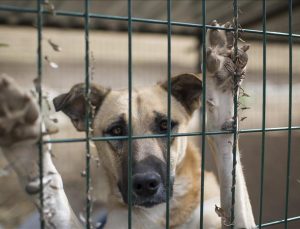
[40, 12]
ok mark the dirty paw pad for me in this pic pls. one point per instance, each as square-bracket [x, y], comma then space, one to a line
[18, 113]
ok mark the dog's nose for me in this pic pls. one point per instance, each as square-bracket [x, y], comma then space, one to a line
[146, 184]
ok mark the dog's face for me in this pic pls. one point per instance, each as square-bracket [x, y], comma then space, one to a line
[148, 117]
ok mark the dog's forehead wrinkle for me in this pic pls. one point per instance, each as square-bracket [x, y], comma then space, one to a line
[117, 118]
[144, 102]
[147, 104]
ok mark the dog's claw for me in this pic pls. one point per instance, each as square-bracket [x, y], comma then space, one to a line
[33, 187]
[228, 125]
[3, 83]
[245, 48]
[227, 25]
[214, 23]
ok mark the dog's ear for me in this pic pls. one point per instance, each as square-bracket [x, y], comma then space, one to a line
[73, 103]
[187, 89]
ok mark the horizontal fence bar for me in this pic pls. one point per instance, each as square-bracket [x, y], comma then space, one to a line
[190, 134]
[292, 219]
[140, 20]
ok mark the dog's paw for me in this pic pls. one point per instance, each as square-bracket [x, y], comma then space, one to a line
[221, 60]
[18, 114]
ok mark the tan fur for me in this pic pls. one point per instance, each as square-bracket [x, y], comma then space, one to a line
[184, 205]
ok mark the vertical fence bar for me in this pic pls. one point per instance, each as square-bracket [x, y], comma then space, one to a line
[264, 11]
[235, 117]
[169, 4]
[290, 112]
[129, 115]
[40, 98]
[203, 148]
[87, 114]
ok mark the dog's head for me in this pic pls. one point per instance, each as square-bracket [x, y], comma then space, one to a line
[149, 117]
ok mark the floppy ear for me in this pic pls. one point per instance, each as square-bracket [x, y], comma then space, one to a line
[73, 103]
[187, 89]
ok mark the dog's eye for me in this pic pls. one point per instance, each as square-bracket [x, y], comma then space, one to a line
[163, 125]
[116, 131]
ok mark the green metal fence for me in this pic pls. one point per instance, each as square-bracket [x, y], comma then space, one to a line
[40, 12]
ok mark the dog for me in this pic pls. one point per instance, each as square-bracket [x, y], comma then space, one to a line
[20, 123]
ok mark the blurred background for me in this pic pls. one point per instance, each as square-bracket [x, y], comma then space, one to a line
[109, 67]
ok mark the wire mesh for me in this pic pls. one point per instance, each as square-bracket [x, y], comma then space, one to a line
[40, 12]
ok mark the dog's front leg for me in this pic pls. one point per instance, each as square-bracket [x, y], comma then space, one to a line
[19, 133]
[220, 112]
